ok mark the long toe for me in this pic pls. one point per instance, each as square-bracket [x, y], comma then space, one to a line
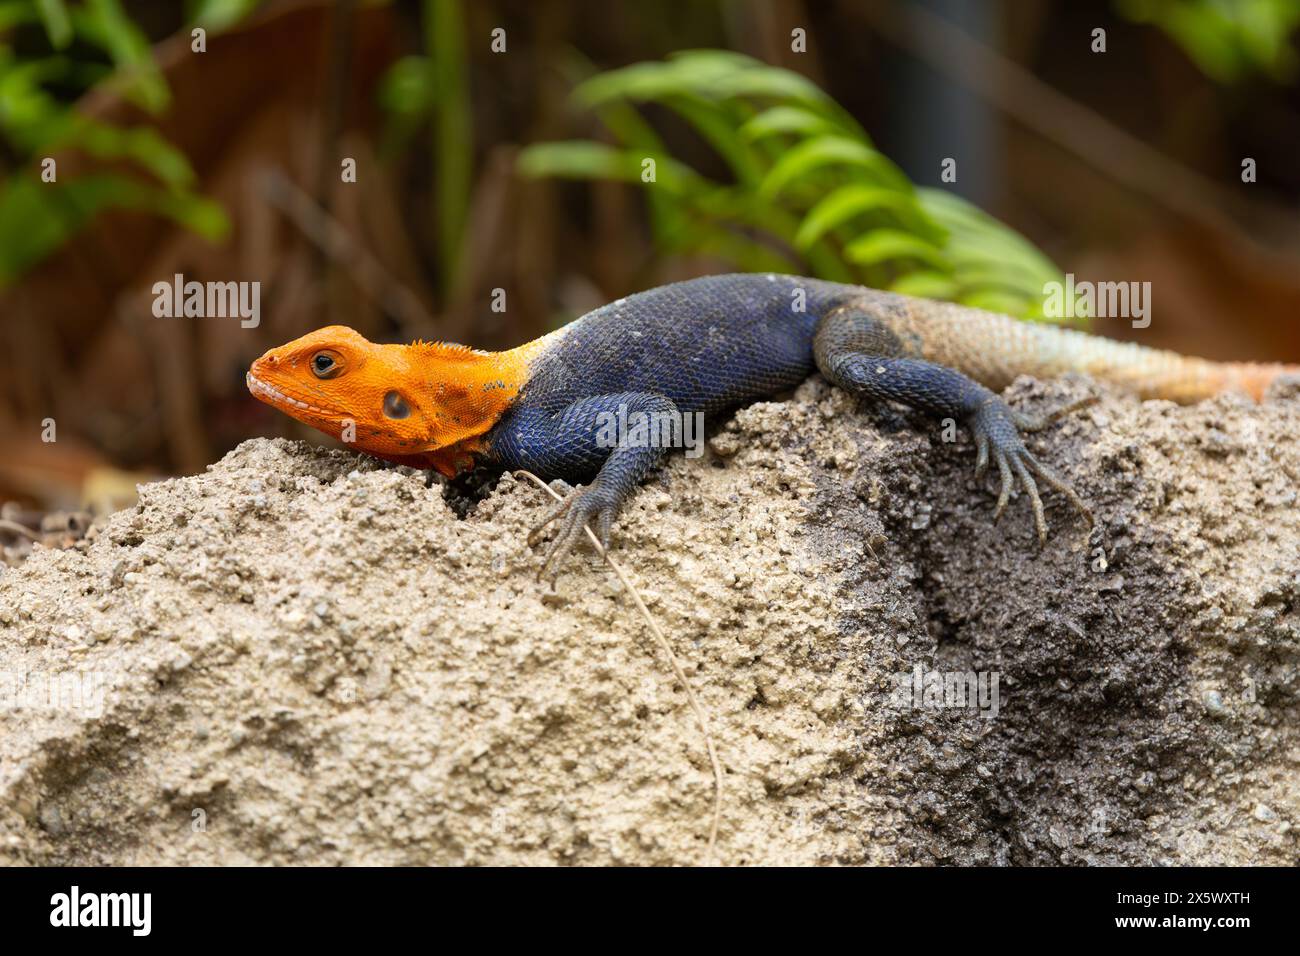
[1059, 483]
[1005, 494]
[1036, 502]
[1036, 423]
[560, 547]
[556, 511]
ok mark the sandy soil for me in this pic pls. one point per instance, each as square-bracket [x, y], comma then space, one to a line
[301, 657]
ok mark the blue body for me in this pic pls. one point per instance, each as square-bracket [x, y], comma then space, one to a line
[704, 346]
[713, 343]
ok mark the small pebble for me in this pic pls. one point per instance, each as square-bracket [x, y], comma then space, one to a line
[1264, 813]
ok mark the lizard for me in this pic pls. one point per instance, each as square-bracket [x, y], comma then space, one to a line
[703, 346]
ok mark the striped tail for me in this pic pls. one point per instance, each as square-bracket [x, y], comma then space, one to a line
[993, 349]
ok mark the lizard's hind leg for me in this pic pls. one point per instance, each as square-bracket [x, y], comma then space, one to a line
[862, 353]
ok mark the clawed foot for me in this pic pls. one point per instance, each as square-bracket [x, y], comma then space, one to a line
[582, 507]
[997, 435]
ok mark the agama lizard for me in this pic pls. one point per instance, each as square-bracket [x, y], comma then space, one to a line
[703, 346]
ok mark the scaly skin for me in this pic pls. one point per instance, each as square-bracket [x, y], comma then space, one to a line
[702, 346]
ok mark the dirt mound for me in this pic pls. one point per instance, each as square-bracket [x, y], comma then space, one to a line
[301, 657]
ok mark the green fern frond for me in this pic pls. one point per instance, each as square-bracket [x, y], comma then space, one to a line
[806, 191]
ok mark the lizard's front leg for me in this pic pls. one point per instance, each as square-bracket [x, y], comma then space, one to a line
[617, 437]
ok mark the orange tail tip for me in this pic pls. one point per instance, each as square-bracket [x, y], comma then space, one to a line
[1255, 377]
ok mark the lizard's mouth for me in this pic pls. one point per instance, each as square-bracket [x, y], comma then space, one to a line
[272, 395]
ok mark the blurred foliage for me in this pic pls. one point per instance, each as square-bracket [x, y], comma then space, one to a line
[807, 190]
[218, 15]
[90, 44]
[433, 90]
[1229, 40]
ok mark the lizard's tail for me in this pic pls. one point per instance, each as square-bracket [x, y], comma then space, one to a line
[1159, 373]
[994, 349]
[1254, 378]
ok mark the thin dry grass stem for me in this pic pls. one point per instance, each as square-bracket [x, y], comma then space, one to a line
[672, 659]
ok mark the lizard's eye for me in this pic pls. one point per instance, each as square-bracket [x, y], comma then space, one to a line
[326, 364]
[395, 406]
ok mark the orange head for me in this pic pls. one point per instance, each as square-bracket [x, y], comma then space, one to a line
[402, 402]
